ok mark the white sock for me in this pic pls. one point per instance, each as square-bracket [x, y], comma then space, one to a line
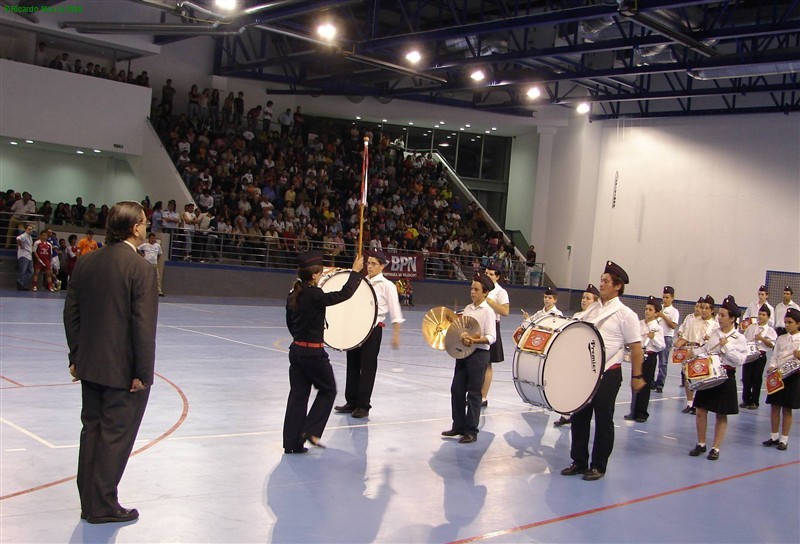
[784, 438]
[701, 444]
[773, 436]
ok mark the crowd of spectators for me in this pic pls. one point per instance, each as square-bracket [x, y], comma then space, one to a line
[61, 61]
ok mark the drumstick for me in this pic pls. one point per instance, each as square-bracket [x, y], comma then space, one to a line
[364, 189]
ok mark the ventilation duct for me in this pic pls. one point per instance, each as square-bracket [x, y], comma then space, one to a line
[746, 70]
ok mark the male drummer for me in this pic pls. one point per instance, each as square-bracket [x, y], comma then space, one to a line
[550, 300]
[781, 307]
[465, 391]
[764, 338]
[362, 362]
[752, 310]
[669, 317]
[619, 327]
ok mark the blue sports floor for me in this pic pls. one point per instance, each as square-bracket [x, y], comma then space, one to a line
[209, 466]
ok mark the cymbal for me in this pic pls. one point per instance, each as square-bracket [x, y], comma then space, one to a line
[435, 325]
[452, 340]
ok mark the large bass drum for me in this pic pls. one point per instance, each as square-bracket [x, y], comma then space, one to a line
[349, 323]
[558, 364]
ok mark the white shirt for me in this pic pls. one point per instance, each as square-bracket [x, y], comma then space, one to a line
[25, 247]
[780, 312]
[764, 330]
[752, 311]
[618, 330]
[785, 347]
[541, 313]
[734, 352]
[655, 344]
[388, 300]
[499, 295]
[697, 330]
[674, 315]
[486, 318]
[151, 252]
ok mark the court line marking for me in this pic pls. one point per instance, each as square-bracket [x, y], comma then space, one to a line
[223, 338]
[29, 434]
[521, 528]
[164, 435]
[11, 381]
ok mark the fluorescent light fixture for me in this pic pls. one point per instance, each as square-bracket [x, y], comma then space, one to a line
[583, 108]
[488, 131]
[13, 143]
[411, 122]
[444, 144]
[441, 122]
[28, 141]
[534, 92]
[413, 56]
[96, 150]
[477, 75]
[467, 126]
[462, 128]
[494, 128]
[326, 31]
[79, 152]
[384, 120]
[358, 117]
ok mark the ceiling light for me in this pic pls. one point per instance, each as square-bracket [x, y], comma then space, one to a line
[413, 56]
[13, 143]
[534, 92]
[467, 126]
[79, 152]
[358, 117]
[583, 108]
[441, 122]
[488, 132]
[326, 31]
[462, 128]
[226, 5]
[96, 150]
[28, 141]
[384, 120]
[494, 128]
[444, 144]
[477, 75]
[411, 122]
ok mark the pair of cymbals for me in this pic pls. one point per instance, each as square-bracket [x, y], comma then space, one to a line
[442, 329]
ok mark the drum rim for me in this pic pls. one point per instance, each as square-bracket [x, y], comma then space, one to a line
[364, 280]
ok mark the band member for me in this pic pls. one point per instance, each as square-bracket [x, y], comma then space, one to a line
[784, 401]
[308, 360]
[362, 362]
[764, 337]
[465, 390]
[752, 310]
[497, 299]
[669, 317]
[619, 327]
[550, 300]
[590, 296]
[732, 349]
[697, 331]
[652, 344]
[781, 307]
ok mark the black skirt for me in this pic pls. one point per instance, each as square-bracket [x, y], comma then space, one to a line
[496, 349]
[789, 396]
[722, 399]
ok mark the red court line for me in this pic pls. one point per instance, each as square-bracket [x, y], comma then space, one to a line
[11, 381]
[147, 446]
[521, 528]
[40, 385]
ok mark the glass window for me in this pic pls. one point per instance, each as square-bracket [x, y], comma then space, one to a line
[469, 155]
[495, 158]
[446, 142]
[419, 138]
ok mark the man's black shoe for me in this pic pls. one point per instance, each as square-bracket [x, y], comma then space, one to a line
[573, 470]
[344, 409]
[119, 516]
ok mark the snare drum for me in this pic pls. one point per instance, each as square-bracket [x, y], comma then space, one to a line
[558, 364]
[752, 352]
[679, 355]
[705, 372]
[349, 323]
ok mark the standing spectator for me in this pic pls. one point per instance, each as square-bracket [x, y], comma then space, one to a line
[78, 211]
[286, 120]
[170, 219]
[167, 93]
[157, 217]
[193, 110]
[299, 125]
[227, 109]
[530, 265]
[151, 250]
[110, 317]
[19, 215]
[238, 110]
[203, 103]
[214, 109]
[24, 258]
[87, 244]
[40, 58]
[189, 222]
[42, 257]
[267, 116]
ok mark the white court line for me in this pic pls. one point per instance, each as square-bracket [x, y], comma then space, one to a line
[668, 437]
[638, 431]
[26, 432]
[226, 339]
[229, 326]
[16, 449]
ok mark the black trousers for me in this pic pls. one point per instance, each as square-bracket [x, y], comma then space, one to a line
[111, 419]
[307, 367]
[752, 377]
[362, 365]
[602, 407]
[465, 391]
[641, 399]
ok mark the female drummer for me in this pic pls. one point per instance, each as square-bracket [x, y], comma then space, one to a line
[497, 299]
[732, 348]
[465, 391]
[787, 399]
[696, 329]
[590, 296]
[308, 361]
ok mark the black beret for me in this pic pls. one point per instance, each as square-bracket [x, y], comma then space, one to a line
[551, 291]
[614, 268]
[793, 313]
[763, 288]
[309, 258]
[669, 290]
[592, 289]
[764, 308]
[379, 255]
[493, 267]
[653, 301]
[484, 280]
[730, 304]
[788, 288]
[701, 300]
[708, 299]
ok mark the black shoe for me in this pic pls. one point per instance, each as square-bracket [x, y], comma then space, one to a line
[693, 410]
[467, 439]
[573, 470]
[770, 442]
[742, 405]
[345, 408]
[783, 446]
[698, 449]
[629, 417]
[484, 403]
[119, 516]
[752, 407]
[301, 449]
[360, 413]
[451, 432]
[593, 474]
[83, 514]
[713, 455]
[641, 419]
[653, 387]
[562, 421]
[686, 410]
[659, 389]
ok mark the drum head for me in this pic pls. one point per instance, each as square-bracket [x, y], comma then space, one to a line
[575, 362]
[349, 323]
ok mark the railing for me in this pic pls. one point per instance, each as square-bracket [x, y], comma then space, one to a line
[252, 250]
[13, 224]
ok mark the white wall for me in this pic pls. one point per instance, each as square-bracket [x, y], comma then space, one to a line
[704, 204]
[522, 183]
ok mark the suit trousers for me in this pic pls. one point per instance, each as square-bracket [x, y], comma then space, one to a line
[362, 366]
[602, 407]
[111, 419]
[641, 399]
[307, 367]
[465, 391]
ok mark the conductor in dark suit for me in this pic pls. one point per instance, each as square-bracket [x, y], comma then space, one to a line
[110, 318]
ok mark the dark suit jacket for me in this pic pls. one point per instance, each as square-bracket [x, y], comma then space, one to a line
[110, 317]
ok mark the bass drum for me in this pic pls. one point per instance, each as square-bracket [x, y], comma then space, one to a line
[558, 364]
[349, 323]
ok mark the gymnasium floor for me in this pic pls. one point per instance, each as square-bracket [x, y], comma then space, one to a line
[209, 466]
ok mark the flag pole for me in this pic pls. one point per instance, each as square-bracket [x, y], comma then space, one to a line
[363, 203]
